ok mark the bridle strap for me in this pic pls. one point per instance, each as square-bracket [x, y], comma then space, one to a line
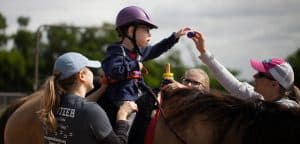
[180, 138]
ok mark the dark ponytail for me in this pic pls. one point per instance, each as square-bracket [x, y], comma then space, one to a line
[294, 94]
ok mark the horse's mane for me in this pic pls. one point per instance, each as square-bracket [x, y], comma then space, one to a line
[260, 121]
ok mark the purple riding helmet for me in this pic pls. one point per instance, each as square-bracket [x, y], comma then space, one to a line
[133, 14]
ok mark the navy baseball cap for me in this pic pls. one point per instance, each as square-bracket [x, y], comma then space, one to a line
[71, 63]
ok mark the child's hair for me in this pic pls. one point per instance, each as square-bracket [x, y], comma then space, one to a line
[122, 31]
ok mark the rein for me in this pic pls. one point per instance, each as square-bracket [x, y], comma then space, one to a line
[180, 138]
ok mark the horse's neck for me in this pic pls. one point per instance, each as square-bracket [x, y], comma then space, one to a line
[24, 123]
[193, 131]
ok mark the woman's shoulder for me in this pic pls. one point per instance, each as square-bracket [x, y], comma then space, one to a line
[92, 107]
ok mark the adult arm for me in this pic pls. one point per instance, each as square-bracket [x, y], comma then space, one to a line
[101, 128]
[238, 89]
[96, 95]
[119, 135]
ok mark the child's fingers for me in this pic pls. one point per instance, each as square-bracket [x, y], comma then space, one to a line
[186, 29]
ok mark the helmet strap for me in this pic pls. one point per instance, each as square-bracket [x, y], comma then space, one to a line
[133, 40]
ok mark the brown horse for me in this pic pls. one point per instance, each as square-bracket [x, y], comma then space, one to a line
[198, 118]
[20, 124]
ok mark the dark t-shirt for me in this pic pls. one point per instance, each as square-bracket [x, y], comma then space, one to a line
[81, 122]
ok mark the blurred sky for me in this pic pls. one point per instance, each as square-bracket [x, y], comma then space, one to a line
[235, 30]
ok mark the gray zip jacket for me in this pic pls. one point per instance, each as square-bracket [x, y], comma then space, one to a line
[242, 90]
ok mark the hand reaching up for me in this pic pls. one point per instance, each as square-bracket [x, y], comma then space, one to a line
[182, 32]
[199, 42]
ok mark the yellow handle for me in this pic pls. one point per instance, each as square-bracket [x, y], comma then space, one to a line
[168, 73]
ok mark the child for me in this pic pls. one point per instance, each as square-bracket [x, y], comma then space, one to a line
[123, 61]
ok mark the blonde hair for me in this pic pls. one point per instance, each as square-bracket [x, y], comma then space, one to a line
[53, 89]
[293, 93]
[203, 74]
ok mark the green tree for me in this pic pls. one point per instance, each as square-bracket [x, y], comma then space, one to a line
[156, 68]
[294, 60]
[15, 62]
[93, 41]
[58, 39]
[3, 24]
[3, 37]
[90, 41]
[13, 72]
[24, 41]
[23, 21]
[19, 62]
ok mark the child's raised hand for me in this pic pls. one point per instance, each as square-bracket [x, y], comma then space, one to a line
[182, 32]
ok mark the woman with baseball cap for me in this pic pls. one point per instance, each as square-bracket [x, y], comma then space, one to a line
[274, 80]
[279, 73]
[66, 115]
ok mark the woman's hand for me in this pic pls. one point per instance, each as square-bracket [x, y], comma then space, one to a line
[199, 42]
[127, 108]
[172, 86]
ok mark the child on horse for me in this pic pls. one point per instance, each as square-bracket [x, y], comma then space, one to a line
[123, 60]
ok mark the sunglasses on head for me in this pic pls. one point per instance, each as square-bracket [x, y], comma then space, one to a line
[263, 75]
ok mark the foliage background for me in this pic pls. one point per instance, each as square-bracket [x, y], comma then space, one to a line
[17, 63]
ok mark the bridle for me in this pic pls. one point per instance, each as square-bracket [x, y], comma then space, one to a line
[163, 115]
